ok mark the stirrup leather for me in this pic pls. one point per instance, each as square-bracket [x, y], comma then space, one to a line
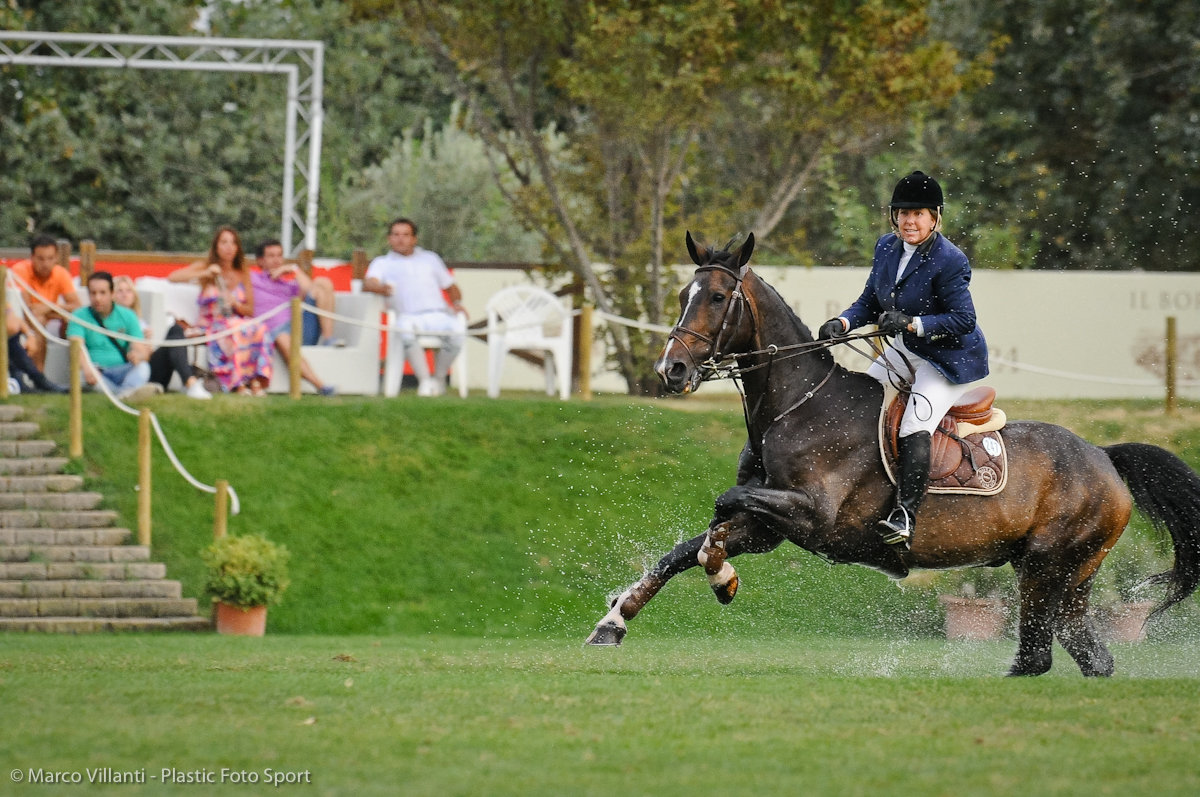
[897, 527]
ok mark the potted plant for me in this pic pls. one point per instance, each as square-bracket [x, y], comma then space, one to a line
[976, 600]
[245, 574]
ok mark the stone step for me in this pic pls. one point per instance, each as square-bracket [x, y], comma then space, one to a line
[94, 625]
[100, 571]
[26, 448]
[50, 519]
[152, 588]
[53, 483]
[18, 430]
[74, 553]
[97, 607]
[11, 412]
[109, 535]
[52, 501]
[35, 465]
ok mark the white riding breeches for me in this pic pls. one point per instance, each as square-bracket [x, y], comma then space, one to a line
[932, 394]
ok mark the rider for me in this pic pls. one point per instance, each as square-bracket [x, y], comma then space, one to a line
[918, 291]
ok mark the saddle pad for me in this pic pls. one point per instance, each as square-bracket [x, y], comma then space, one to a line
[973, 465]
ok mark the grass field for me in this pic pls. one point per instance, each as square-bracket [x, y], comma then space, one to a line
[448, 560]
[436, 715]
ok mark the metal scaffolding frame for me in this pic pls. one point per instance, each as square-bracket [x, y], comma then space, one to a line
[301, 62]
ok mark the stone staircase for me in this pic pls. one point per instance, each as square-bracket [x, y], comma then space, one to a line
[64, 567]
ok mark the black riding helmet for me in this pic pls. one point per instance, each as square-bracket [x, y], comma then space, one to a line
[916, 190]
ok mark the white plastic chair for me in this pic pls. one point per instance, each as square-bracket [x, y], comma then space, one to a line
[525, 318]
[393, 367]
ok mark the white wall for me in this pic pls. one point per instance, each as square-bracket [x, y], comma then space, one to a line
[1099, 334]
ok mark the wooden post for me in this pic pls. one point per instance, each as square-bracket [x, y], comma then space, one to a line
[144, 449]
[4, 315]
[64, 253]
[294, 347]
[221, 517]
[358, 263]
[76, 409]
[1172, 360]
[305, 261]
[585, 351]
[87, 260]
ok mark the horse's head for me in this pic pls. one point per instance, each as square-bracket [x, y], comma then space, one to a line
[715, 321]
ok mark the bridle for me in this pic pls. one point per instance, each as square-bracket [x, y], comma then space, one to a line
[720, 365]
[711, 367]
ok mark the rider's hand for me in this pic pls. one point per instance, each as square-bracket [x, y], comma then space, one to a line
[831, 329]
[893, 322]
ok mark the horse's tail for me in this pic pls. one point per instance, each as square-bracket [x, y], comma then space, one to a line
[1167, 492]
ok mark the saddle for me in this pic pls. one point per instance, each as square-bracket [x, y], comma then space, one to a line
[967, 453]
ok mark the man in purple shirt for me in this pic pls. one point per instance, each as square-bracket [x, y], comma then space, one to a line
[272, 291]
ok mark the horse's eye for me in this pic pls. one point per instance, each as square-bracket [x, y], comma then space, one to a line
[717, 298]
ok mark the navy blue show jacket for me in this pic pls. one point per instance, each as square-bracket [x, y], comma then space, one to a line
[936, 287]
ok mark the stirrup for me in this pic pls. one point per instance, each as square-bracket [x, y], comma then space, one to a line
[897, 527]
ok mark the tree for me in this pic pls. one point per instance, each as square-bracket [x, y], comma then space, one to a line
[649, 95]
[1084, 151]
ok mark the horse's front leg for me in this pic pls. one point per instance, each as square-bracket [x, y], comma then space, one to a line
[736, 535]
[611, 629]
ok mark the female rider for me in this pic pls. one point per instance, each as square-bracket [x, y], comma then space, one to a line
[918, 291]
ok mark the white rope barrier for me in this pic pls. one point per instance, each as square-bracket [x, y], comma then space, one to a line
[481, 334]
[234, 503]
[1108, 380]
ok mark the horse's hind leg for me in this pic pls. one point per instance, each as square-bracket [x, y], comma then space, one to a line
[1077, 636]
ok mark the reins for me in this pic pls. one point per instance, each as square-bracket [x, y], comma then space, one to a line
[726, 366]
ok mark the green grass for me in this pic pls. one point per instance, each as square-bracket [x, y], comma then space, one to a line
[437, 715]
[449, 558]
[509, 518]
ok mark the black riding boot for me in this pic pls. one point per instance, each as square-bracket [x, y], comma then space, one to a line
[911, 481]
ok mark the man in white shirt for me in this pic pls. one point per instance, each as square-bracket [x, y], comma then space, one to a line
[418, 284]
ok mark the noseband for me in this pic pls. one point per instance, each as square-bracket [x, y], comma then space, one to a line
[709, 366]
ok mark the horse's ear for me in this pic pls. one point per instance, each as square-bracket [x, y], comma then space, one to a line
[694, 252]
[743, 255]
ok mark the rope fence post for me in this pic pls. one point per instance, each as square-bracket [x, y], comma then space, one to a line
[64, 253]
[294, 343]
[221, 516]
[75, 423]
[585, 351]
[87, 260]
[144, 492]
[4, 315]
[358, 263]
[1172, 363]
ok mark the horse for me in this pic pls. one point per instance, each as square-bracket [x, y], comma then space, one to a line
[811, 474]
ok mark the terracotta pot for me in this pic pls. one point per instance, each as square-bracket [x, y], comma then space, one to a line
[1125, 622]
[238, 621]
[974, 618]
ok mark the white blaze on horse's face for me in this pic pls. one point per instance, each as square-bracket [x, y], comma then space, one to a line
[660, 367]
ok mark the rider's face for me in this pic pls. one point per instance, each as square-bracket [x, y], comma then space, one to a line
[914, 224]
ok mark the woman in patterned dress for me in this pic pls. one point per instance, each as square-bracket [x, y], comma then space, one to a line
[241, 360]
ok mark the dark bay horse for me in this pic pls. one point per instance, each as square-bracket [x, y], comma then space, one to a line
[810, 474]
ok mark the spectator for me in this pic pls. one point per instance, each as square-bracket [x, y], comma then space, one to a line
[122, 364]
[165, 361]
[53, 284]
[273, 293]
[23, 374]
[414, 280]
[241, 360]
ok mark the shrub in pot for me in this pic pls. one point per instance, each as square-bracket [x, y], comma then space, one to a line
[245, 574]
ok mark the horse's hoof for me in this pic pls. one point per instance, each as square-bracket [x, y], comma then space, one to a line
[607, 633]
[724, 583]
